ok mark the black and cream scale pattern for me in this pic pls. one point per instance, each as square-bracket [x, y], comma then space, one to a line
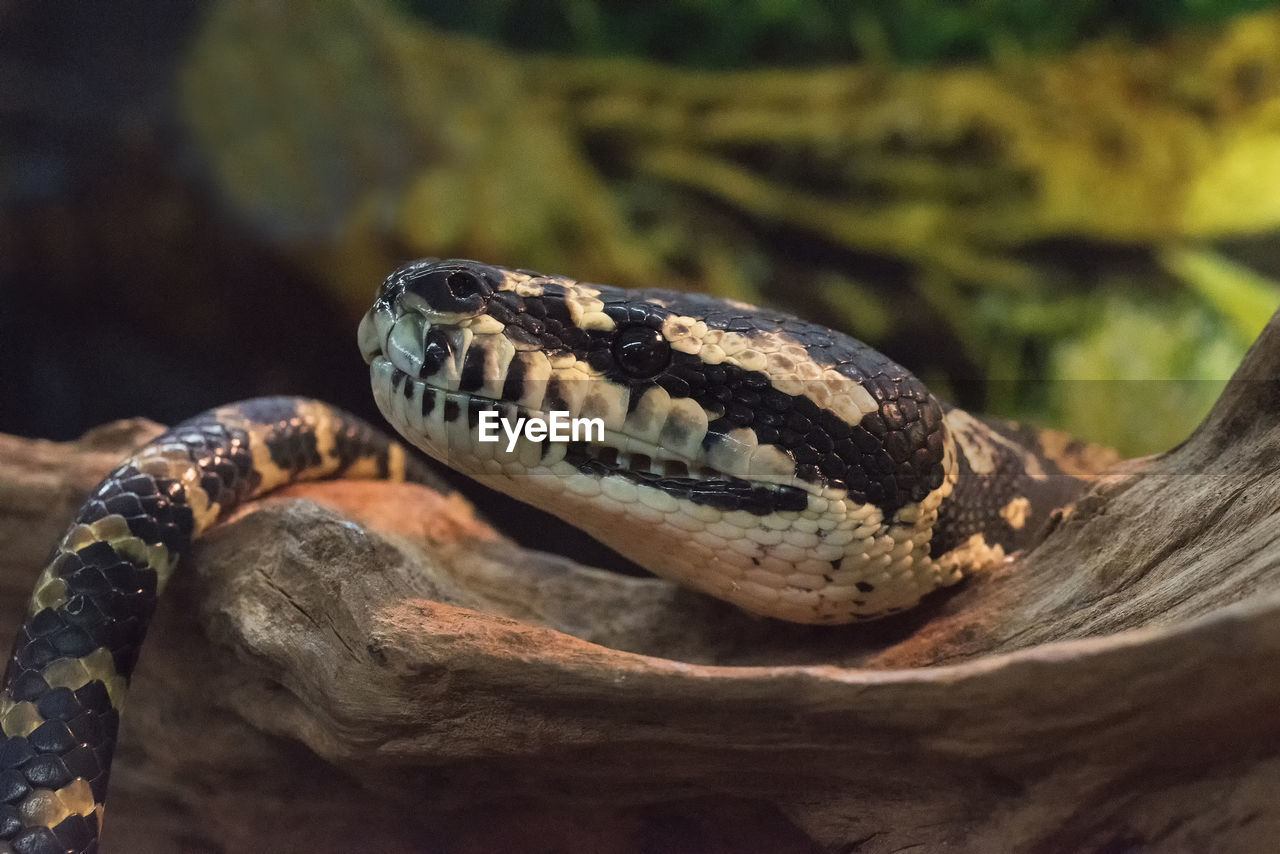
[74, 654]
[739, 441]
[763, 459]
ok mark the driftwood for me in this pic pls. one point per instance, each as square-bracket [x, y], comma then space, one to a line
[372, 667]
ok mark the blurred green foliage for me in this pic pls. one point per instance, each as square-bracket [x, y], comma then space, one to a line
[1144, 373]
[1136, 360]
[746, 33]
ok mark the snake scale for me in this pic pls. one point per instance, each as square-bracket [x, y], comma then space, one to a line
[769, 461]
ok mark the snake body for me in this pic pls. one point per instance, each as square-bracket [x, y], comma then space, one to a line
[769, 461]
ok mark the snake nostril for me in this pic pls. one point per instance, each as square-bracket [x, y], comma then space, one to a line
[464, 285]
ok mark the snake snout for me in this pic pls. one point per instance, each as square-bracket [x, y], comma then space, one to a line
[451, 289]
[427, 294]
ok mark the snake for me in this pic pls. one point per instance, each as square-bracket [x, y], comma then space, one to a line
[769, 461]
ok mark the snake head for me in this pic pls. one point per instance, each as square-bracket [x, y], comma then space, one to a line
[742, 451]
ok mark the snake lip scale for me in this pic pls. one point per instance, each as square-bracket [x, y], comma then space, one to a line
[757, 457]
[640, 458]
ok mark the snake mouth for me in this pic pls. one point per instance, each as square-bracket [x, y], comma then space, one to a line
[609, 459]
[443, 422]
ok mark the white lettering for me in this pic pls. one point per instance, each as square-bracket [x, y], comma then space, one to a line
[589, 425]
[559, 427]
[535, 430]
[488, 427]
[513, 433]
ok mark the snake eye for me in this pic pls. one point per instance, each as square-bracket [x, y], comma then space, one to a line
[641, 352]
[448, 287]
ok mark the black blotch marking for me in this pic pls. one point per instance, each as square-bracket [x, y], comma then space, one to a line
[354, 440]
[676, 431]
[290, 440]
[637, 394]
[974, 505]
[513, 385]
[728, 494]
[437, 348]
[553, 400]
[595, 405]
[472, 370]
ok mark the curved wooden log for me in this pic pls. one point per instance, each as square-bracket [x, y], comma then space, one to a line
[373, 667]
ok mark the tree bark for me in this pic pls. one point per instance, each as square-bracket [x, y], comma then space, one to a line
[372, 667]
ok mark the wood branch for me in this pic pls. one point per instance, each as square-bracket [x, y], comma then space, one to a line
[373, 667]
